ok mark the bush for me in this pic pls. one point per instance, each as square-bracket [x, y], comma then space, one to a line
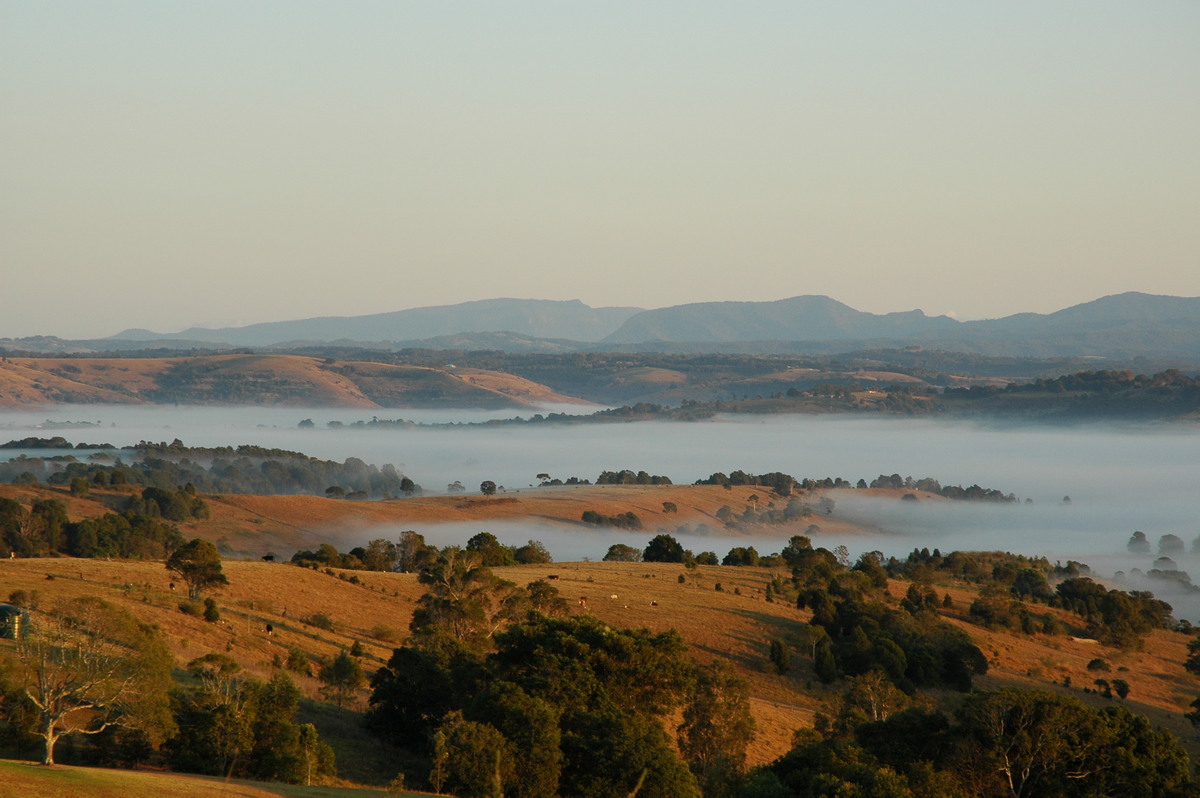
[780, 656]
[193, 608]
[384, 634]
[297, 662]
[319, 620]
[211, 613]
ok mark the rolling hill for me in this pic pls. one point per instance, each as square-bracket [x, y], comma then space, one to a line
[283, 380]
[1123, 325]
[722, 612]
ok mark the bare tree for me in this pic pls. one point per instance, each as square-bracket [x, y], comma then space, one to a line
[87, 666]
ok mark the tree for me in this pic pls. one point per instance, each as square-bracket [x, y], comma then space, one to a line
[1017, 743]
[824, 663]
[780, 656]
[717, 727]
[620, 552]
[530, 729]
[663, 548]
[342, 676]
[410, 695]
[465, 601]
[232, 726]
[1043, 744]
[479, 760]
[490, 550]
[487, 487]
[87, 667]
[198, 564]
[412, 552]
[379, 555]
[533, 553]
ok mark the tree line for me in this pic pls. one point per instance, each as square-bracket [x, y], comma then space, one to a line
[223, 469]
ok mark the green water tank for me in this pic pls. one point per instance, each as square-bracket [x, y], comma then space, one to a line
[14, 622]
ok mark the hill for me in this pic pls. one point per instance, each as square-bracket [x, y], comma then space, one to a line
[1122, 326]
[34, 781]
[723, 612]
[802, 318]
[731, 623]
[528, 317]
[251, 526]
[268, 379]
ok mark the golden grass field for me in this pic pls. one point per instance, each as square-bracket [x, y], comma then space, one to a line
[27, 780]
[255, 525]
[733, 624]
[284, 380]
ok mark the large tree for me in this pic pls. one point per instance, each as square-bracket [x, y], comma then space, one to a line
[717, 727]
[465, 601]
[87, 666]
[1042, 744]
[198, 564]
[234, 726]
[663, 548]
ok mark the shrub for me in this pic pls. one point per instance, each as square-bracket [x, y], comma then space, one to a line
[384, 634]
[319, 620]
[780, 656]
[193, 608]
[297, 662]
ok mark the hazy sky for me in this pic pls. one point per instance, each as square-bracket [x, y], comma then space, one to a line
[164, 164]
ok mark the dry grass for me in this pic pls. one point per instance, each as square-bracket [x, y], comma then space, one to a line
[734, 624]
[285, 380]
[255, 525]
[34, 781]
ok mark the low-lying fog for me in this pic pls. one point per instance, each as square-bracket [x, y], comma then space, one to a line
[1119, 479]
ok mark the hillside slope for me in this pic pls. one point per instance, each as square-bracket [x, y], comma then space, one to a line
[720, 611]
[279, 380]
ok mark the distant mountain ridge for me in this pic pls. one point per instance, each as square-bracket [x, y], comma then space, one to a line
[542, 318]
[801, 318]
[1122, 325]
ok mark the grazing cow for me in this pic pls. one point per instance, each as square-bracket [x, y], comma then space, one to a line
[270, 629]
[583, 601]
[172, 586]
[268, 558]
[653, 603]
[613, 597]
[552, 576]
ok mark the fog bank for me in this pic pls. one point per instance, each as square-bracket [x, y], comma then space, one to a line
[1118, 478]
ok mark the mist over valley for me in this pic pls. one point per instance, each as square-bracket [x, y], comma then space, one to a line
[1118, 479]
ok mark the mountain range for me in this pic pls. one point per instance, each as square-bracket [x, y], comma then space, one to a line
[1128, 325]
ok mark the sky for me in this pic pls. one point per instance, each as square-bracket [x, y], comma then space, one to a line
[167, 165]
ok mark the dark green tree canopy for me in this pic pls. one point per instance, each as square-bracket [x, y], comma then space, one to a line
[198, 564]
[663, 548]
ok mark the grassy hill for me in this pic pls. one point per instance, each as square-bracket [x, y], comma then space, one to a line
[283, 380]
[733, 623]
[722, 612]
[250, 526]
[33, 781]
